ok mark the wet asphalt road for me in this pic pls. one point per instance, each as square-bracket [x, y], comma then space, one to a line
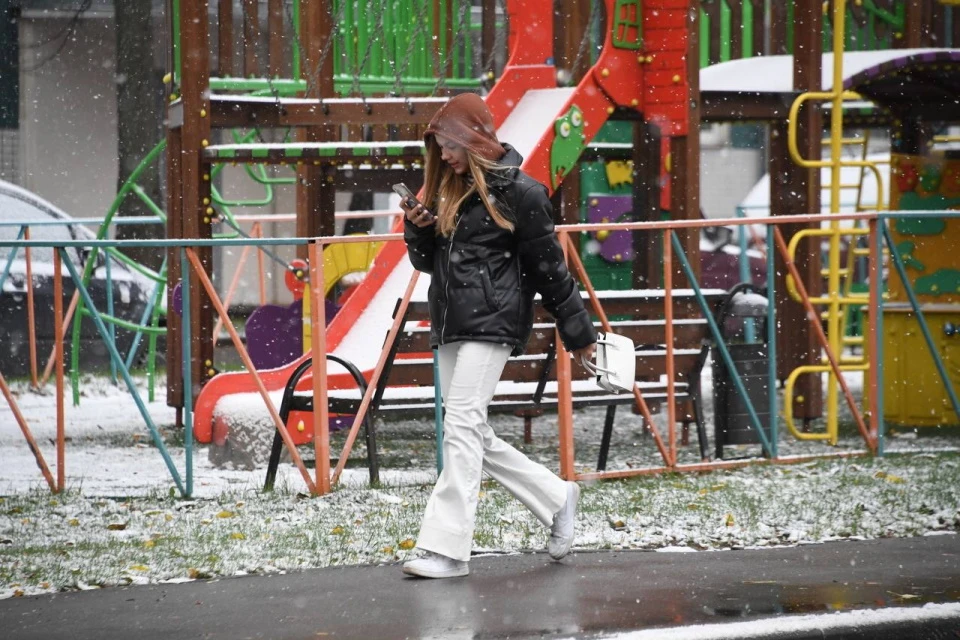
[512, 596]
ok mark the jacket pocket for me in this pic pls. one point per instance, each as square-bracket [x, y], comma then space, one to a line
[488, 291]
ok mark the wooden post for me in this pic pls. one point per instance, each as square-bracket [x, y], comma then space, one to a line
[251, 38]
[646, 204]
[488, 37]
[195, 179]
[912, 35]
[315, 188]
[174, 230]
[795, 190]
[685, 155]
[224, 40]
[275, 37]
[778, 29]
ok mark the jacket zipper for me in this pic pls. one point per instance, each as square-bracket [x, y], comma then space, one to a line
[443, 323]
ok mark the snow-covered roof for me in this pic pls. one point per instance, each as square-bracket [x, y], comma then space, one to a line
[774, 74]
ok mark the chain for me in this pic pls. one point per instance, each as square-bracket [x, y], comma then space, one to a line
[398, 87]
[457, 42]
[594, 15]
[377, 32]
[313, 76]
[500, 34]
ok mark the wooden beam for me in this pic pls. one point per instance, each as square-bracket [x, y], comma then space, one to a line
[315, 190]
[251, 38]
[225, 38]
[275, 38]
[646, 205]
[912, 35]
[231, 111]
[778, 29]
[488, 36]
[795, 190]
[195, 179]
[716, 106]
[174, 230]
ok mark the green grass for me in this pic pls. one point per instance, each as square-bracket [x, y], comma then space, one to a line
[71, 541]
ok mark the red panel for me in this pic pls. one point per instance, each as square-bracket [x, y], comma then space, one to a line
[656, 79]
[657, 40]
[665, 19]
[531, 21]
[666, 4]
[667, 60]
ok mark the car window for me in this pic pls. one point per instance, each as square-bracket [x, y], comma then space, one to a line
[16, 209]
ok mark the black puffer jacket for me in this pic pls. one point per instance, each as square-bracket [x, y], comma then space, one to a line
[484, 278]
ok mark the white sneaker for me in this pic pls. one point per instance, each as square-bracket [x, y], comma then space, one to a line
[561, 533]
[434, 565]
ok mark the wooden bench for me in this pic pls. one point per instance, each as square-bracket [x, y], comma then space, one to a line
[529, 385]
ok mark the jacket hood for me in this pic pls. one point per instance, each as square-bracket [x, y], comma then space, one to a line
[466, 120]
[509, 164]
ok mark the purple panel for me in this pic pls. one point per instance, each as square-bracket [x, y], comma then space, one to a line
[178, 299]
[275, 335]
[616, 246]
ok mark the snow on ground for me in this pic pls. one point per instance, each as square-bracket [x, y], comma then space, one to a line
[857, 621]
[118, 523]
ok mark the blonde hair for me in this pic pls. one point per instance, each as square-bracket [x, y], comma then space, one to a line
[445, 191]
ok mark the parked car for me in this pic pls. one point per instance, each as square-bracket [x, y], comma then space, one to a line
[131, 290]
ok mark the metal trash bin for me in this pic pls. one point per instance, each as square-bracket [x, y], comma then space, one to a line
[745, 303]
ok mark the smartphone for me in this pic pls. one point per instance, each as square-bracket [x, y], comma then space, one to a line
[408, 197]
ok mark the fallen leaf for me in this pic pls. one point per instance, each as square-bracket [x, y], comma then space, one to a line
[117, 526]
[238, 536]
[337, 530]
[226, 514]
[729, 519]
[140, 567]
[149, 544]
[408, 544]
[388, 550]
[73, 522]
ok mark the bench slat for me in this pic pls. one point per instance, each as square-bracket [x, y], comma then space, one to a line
[420, 372]
[541, 339]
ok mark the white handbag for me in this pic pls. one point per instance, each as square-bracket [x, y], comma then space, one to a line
[616, 364]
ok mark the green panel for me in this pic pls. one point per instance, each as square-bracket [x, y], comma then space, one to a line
[615, 131]
[704, 39]
[260, 152]
[603, 274]
[227, 153]
[747, 30]
[725, 30]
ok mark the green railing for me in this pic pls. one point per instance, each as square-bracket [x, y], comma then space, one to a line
[377, 47]
[733, 29]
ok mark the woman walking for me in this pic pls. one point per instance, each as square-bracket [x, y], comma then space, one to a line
[486, 237]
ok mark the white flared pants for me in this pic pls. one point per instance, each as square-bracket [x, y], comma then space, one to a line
[469, 372]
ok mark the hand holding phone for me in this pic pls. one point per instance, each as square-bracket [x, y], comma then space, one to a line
[416, 212]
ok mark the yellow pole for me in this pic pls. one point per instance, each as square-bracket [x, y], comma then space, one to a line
[836, 148]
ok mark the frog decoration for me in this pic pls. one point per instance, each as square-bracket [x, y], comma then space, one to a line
[568, 143]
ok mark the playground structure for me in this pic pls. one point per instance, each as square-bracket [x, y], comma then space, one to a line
[632, 87]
